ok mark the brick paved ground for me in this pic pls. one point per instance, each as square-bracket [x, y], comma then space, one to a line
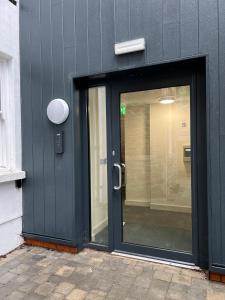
[35, 273]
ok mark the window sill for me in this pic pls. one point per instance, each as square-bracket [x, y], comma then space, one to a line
[11, 175]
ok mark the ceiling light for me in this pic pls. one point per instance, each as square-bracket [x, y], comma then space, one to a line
[167, 100]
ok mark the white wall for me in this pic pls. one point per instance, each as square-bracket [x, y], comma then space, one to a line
[155, 134]
[10, 196]
[10, 217]
[170, 187]
[137, 154]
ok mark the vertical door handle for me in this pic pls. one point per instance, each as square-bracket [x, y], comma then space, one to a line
[125, 173]
[118, 187]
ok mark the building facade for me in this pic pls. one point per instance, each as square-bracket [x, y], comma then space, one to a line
[138, 166]
[10, 129]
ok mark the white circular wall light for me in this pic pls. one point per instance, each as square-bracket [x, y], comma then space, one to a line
[57, 111]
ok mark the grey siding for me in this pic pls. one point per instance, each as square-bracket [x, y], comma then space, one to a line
[221, 78]
[64, 37]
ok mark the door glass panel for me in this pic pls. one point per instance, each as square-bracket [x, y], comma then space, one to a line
[98, 164]
[156, 153]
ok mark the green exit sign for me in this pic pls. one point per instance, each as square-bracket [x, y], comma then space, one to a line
[123, 109]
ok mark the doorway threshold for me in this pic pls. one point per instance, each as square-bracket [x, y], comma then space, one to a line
[158, 260]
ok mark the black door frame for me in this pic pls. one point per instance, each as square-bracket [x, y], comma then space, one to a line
[139, 83]
[174, 74]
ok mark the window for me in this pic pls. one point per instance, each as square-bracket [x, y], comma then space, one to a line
[98, 164]
[5, 118]
[157, 200]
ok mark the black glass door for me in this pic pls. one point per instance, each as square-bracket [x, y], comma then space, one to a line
[144, 141]
[152, 167]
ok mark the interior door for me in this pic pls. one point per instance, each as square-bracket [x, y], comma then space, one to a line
[153, 166]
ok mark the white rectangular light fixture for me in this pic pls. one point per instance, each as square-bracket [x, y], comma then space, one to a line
[130, 46]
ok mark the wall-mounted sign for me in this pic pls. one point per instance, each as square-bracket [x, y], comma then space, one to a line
[130, 46]
[57, 111]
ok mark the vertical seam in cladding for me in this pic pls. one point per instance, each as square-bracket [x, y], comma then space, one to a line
[52, 97]
[32, 130]
[114, 19]
[198, 23]
[209, 146]
[145, 33]
[51, 47]
[218, 37]
[71, 86]
[29, 38]
[129, 19]
[163, 52]
[39, 17]
[88, 58]
[100, 16]
[129, 28]
[63, 53]
[218, 73]
[179, 28]
[75, 40]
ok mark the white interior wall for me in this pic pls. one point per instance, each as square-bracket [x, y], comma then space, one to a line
[98, 159]
[157, 176]
[137, 156]
[170, 184]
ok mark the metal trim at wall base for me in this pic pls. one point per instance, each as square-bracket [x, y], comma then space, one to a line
[168, 262]
[48, 239]
[217, 277]
[50, 245]
[218, 269]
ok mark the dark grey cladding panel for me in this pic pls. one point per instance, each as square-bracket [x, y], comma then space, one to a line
[108, 35]
[137, 23]
[81, 37]
[64, 37]
[189, 27]
[154, 30]
[208, 44]
[94, 36]
[171, 29]
[48, 138]
[27, 122]
[37, 115]
[221, 49]
[122, 28]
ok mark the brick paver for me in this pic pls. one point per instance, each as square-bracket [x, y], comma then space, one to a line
[36, 273]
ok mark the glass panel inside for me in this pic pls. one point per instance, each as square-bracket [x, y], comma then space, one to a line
[98, 164]
[156, 153]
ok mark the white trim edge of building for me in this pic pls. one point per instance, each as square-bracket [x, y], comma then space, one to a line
[10, 195]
